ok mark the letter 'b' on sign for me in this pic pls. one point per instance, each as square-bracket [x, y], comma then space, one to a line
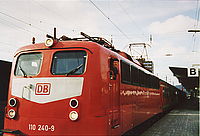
[193, 72]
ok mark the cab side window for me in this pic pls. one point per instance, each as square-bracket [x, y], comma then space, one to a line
[125, 72]
[114, 68]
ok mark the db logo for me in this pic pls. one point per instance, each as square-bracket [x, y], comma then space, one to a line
[42, 89]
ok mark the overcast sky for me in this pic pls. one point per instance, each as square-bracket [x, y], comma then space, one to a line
[125, 21]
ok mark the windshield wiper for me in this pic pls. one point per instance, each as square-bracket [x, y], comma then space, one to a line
[74, 70]
[23, 72]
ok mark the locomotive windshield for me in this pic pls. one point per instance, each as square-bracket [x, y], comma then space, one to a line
[28, 64]
[69, 62]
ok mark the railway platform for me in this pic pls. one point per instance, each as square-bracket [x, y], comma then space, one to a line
[181, 121]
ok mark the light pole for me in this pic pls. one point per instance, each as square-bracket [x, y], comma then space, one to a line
[196, 31]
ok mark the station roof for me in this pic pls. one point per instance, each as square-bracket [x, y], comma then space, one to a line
[189, 83]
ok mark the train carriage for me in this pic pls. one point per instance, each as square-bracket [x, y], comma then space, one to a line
[75, 87]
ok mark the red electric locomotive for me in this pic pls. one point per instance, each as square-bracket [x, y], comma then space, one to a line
[78, 87]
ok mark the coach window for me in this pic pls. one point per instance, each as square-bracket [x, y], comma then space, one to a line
[134, 75]
[147, 81]
[142, 78]
[125, 73]
[69, 63]
[156, 83]
[151, 79]
[28, 64]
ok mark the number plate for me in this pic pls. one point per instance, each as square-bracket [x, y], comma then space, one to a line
[41, 127]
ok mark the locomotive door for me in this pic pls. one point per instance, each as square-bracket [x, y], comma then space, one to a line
[114, 96]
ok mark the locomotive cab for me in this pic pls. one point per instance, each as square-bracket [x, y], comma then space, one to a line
[51, 93]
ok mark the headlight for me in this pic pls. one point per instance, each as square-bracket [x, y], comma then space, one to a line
[73, 103]
[73, 115]
[11, 113]
[12, 102]
[49, 42]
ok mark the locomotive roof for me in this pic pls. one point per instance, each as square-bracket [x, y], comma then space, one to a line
[85, 42]
[81, 44]
[41, 46]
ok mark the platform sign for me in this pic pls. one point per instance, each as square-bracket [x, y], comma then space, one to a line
[193, 72]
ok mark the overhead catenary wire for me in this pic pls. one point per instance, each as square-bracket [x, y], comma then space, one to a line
[197, 12]
[131, 19]
[57, 14]
[196, 24]
[22, 21]
[137, 26]
[12, 24]
[124, 34]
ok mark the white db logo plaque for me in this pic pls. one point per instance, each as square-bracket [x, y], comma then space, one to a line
[42, 89]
